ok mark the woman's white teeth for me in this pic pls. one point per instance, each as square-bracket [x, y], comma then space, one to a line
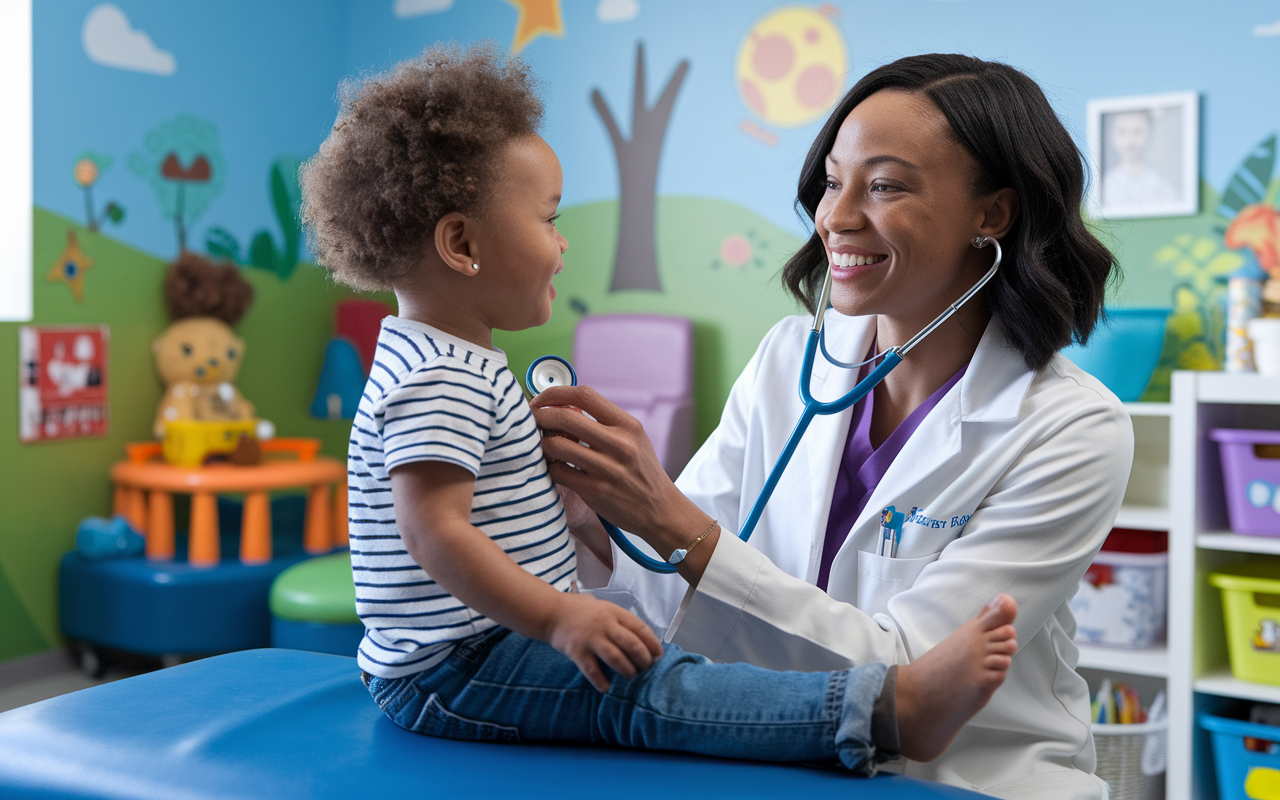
[848, 260]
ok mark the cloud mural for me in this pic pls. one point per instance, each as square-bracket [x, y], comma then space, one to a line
[608, 11]
[1268, 29]
[111, 41]
[404, 9]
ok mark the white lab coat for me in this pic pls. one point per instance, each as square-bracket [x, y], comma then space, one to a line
[1018, 476]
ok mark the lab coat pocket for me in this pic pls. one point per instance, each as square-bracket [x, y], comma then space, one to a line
[881, 577]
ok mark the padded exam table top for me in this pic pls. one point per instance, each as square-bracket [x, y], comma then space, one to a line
[284, 724]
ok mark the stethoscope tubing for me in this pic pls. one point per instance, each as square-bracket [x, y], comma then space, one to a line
[890, 359]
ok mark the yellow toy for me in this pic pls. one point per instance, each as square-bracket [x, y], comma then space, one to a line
[198, 357]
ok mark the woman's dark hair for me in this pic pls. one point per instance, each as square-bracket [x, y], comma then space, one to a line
[409, 146]
[1050, 288]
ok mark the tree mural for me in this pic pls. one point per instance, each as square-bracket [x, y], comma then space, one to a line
[184, 165]
[635, 263]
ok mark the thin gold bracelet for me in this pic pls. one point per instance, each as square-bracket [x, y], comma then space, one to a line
[678, 555]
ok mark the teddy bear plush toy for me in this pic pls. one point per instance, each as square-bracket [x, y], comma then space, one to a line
[198, 356]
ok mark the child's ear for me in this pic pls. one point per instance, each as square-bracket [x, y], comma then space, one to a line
[453, 242]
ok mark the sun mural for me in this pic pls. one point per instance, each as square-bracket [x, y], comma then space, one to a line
[791, 65]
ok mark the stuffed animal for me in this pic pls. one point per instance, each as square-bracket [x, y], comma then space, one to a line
[198, 356]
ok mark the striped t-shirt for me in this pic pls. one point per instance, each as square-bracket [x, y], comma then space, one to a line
[434, 397]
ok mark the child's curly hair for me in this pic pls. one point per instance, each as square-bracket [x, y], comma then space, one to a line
[409, 146]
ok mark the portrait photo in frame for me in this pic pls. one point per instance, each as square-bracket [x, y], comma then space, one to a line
[1145, 155]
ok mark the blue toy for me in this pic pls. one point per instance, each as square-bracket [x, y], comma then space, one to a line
[283, 724]
[342, 379]
[98, 538]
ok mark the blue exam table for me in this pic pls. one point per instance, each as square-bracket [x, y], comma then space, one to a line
[282, 724]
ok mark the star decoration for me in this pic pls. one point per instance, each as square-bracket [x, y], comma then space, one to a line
[537, 18]
[71, 266]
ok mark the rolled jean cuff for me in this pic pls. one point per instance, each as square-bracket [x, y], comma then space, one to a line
[884, 718]
[855, 745]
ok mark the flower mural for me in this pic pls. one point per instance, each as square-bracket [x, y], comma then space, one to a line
[184, 165]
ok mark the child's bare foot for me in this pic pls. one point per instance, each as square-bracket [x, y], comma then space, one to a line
[941, 691]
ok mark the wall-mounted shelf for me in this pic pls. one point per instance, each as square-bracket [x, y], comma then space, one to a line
[1153, 661]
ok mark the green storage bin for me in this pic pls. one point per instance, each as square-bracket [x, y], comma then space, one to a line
[1251, 606]
[317, 590]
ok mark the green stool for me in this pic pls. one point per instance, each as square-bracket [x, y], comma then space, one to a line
[313, 607]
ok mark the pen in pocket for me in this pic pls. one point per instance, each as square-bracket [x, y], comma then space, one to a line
[890, 532]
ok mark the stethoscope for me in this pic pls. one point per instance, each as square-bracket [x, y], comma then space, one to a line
[549, 371]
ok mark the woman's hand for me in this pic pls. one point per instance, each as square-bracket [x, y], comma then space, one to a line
[588, 630]
[617, 473]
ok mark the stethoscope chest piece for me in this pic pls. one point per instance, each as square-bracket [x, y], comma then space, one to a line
[548, 371]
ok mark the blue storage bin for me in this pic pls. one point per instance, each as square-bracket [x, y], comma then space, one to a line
[1246, 756]
[1124, 350]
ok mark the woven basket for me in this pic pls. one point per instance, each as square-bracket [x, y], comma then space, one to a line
[1131, 759]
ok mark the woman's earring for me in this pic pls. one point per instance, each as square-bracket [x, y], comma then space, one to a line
[980, 242]
[475, 267]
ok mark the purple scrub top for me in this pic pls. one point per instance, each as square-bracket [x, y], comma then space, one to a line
[863, 466]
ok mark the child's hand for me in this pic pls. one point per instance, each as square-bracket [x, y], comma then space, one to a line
[586, 628]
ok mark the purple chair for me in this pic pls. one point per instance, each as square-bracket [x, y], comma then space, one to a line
[644, 364]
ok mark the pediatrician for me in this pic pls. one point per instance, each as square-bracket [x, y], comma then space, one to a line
[1011, 461]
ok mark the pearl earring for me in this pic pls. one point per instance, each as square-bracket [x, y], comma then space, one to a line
[475, 267]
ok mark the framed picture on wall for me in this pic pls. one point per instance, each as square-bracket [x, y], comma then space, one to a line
[1145, 152]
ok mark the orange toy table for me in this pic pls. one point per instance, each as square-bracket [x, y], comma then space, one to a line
[145, 485]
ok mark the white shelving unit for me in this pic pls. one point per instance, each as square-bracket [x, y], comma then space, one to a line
[1200, 541]
[1176, 486]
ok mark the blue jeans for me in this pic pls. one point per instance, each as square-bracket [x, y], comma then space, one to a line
[499, 686]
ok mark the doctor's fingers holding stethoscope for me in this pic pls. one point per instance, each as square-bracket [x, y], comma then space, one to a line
[618, 472]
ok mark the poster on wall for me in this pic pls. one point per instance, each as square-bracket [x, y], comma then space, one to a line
[1145, 153]
[62, 382]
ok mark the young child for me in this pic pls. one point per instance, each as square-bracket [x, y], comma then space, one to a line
[435, 183]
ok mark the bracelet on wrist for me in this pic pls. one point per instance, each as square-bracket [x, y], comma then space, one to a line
[678, 555]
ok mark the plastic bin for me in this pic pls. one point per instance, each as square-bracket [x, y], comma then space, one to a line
[1251, 608]
[1131, 759]
[1251, 479]
[1246, 756]
[1122, 599]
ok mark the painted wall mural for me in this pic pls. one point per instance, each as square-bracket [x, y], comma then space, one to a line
[790, 68]
[635, 264]
[183, 164]
[260, 78]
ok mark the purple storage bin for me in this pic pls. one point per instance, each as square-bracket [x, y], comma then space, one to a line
[1252, 483]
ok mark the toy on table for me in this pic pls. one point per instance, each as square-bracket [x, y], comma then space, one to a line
[202, 413]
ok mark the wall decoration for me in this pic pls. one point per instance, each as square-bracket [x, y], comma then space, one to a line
[89, 167]
[738, 250]
[1255, 221]
[1145, 152]
[790, 68]
[611, 11]
[286, 200]
[70, 267]
[403, 9]
[635, 263]
[184, 165]
[62, 385]
[537, 18]
[111, 41]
